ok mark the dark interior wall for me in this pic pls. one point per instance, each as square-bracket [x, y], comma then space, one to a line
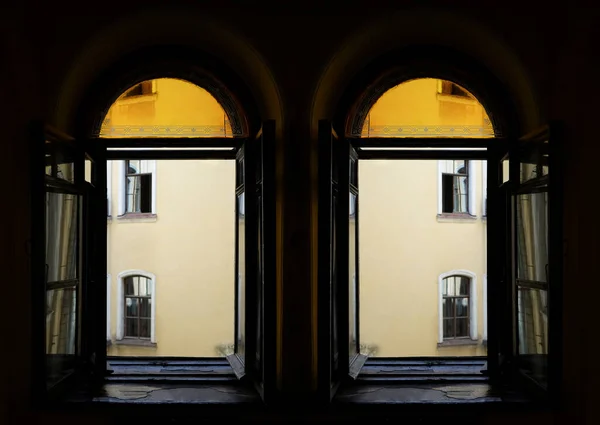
[297, 63]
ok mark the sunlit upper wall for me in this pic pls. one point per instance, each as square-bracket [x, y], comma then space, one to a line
[166, 107]
[427, 107]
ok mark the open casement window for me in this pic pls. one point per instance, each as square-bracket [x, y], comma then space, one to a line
[523, 262]
[527, 200]
[535, 247]
[68, 277]
[252, 360]
[254, 270]
[338, 338]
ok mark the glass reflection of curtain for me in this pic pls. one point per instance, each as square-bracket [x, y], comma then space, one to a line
[460, 194]
[532, 266]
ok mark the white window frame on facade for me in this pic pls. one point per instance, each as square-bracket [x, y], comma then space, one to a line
[109, 187]
[471, 190]
[108, 287]
[484, 186]
[150, 165]
[472, 302]
[484, 307]
[121, 302]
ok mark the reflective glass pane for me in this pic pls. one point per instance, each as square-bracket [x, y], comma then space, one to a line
[532, 321]
[61, 331]
[462, 307]
[461, 193]
[145, 307]
[462, 285]
[131, 307]
[450, 286]
[61, 236]
[130, 286]
[131, 327]
[505, 170]
[88, 171]
[534, 161]
[352, 278]
[448, 307]
[532, 236]
[61, 320]
[145, 328]
[241, 274]
[462, 328]
[144, 286]
[448, 328]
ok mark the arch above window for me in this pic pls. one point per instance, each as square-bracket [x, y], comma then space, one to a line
[166, 107]
[457, 289]
[460, 72]
[427, 107]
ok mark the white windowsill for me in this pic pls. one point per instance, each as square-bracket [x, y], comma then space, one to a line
[137, 218]
[456, 218]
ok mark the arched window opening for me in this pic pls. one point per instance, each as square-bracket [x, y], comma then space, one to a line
[404, 197]
[170, 184]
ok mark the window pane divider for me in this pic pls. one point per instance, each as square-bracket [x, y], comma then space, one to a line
[532, 284]
[61, 284]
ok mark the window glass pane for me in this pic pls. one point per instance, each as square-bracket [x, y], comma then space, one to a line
[352, 279]
[532, 325]
[462, 328]
[132, 327]
[532, 236]
[241, 276]
[460, 166]
[61, 236]
[448, 328]
[61, 329]
[133, 166]
[505, 170]
[462, 285]
[534, 161]
[88, 170]
[145, 328]
[145, 305]
[131, 307]
[130, 286]
[448, 307]
[144, 285]
[66, 168]
[461, 193]
[462, 307]
[450, 286]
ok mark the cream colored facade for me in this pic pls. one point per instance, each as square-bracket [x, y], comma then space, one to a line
[185, 245]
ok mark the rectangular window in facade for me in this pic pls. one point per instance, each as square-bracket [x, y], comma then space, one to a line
[455, 307]
[138, 188]
[455, 187]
